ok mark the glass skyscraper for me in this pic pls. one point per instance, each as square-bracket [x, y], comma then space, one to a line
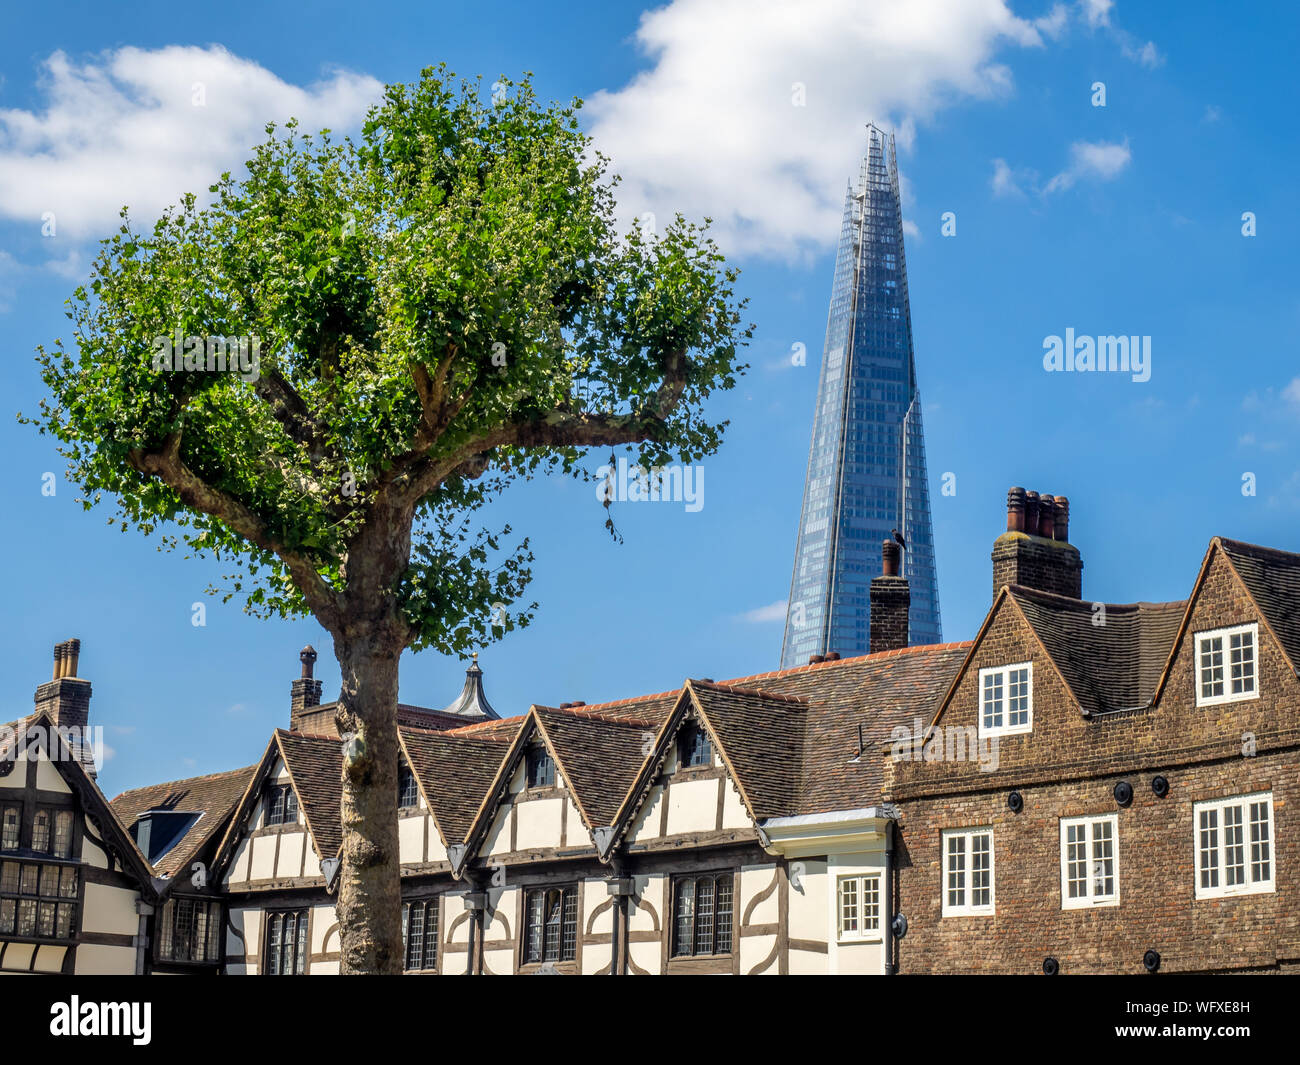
[866, 466]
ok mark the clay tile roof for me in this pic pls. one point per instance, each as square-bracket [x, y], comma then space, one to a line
[455, 769]
[1111, 666]
[214, 796]
[762, 738]
[599, 755]
[878, 692]
[1273, 579]
[316, 767]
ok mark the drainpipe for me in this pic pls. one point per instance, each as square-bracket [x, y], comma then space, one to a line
[142, 936]
[887, 909]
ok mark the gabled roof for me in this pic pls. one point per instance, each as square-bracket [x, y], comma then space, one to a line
[94, 803]
[453, 770]
[598, 755]
[1273, 580]
[876, 692]
[215, 796]
[760, 738]
[1109, 660]
[315, 765]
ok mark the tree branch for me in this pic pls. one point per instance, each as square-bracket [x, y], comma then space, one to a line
[165, 464]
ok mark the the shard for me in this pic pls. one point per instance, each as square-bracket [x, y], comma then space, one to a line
[866, 467]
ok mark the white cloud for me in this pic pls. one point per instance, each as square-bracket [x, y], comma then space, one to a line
[1100, 161]
[1053, 23]
[123, 128]
[1096, 12]
[1147, 55]
[712, 127]
[1005, 181]
[1292, 391]
[765, 615]
[1213, 112]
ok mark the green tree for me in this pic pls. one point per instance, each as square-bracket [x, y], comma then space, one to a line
[437, 308]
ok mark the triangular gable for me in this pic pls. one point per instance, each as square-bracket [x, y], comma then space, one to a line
[1270, 580]
[301, 756]
[315, 765]
[744, 726]
[599, 757]
[452, 771]
[116, 839]
[1003, 598]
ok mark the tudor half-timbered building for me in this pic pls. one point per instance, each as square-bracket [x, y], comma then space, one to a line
[1084, 787]
[75, 892]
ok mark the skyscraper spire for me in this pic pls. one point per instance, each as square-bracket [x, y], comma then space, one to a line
[866, 466]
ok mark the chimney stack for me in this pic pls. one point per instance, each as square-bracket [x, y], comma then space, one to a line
[65, 699]
[1035, 551]
[304, 693]
[891, 599]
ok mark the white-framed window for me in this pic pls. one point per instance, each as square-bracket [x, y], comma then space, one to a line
[1234, 846]
[1089, 861]
[968, 872]
[858, 904]
[1227, 665]
[1006, 699]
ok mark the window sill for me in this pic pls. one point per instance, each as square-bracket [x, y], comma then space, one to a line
[1220, 894]
[1223, 700]
[1077, 904]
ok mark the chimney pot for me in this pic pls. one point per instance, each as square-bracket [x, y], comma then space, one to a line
[1031, 513]
[832, 656]
[304, 693]
[1028, 561]
[1016, 510]
[71, 654]
[816, 660]
[889, 553]
[1047, 516]
[1062, 530]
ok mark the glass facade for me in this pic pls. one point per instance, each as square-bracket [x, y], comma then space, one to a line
[866, 466]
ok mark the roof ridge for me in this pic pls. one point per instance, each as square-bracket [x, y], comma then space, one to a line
[183, 780]
[1228, 542]
[958, 645]
[584, 712]
[762, 692]
[1026, 591]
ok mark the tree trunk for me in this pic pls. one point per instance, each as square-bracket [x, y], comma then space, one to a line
[370, 889]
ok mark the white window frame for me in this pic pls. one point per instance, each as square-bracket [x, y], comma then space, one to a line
[1251, 886]
[861, 934]
[1091, 899]
[1005, 729]
[1225, 635]
[966, 908]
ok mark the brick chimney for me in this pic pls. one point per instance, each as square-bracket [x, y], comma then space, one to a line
[890, 601]
[1035, 551]
[66, 700]
[304, 694]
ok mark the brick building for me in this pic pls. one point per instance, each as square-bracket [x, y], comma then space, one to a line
[1140, 811]
[1084, 787]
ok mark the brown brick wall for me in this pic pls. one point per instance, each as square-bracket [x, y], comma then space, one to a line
[1068, 767]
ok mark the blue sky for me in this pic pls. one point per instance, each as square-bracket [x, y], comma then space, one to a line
[1123, 219]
